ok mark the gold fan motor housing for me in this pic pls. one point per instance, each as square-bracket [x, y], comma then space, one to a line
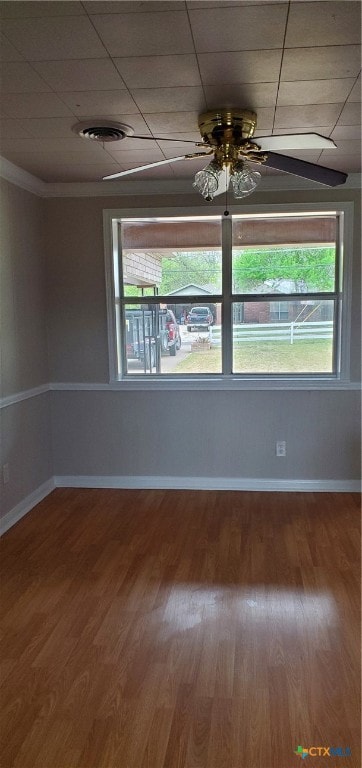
[227, 126]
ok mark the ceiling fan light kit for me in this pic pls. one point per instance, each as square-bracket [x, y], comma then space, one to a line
[207, 180]
[227, 134]
[244, 179]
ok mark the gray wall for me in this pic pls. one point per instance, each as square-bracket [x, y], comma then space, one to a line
[25, 442]
[54, 329]
[213, 434]
[207, 434]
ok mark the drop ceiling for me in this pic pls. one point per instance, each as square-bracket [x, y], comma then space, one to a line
[157, 65]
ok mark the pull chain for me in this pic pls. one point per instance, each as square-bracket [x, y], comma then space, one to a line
[226, 212]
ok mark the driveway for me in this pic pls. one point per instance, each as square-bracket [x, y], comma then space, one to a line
[168, 363]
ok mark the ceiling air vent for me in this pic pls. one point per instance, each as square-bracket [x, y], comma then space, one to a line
[103, 130]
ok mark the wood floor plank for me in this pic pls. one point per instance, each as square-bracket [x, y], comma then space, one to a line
[180, 629]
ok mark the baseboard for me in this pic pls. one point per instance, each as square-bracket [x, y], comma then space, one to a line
[26, 505]
[205, 483]
[173, 483]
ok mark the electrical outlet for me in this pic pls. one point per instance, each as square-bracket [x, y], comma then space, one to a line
[281, 448]
[6, 473]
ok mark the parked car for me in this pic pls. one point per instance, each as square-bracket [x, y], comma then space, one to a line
[199, 319]
[169, 332]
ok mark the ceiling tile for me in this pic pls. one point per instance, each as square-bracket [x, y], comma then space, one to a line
[56, 146]
[159, 71]
[20, 158]
[346, 132]
[32, 105]
[138, 157]
[133, 6]
[65, 37]
[11, 10]
[50, 127]
[22, 145]
[248, 27]
[7, 51]
[67, 172]
[346, 163]
[13, 129]
[177, 137]
[265, 116]
[239, 44]
[80, 75]
[325, 63]
[73, 172]
[328, 23]
[171, 122]
[192, 4]
[178, 148]
[161, 172]
[240, 67]
[344, 147]
[322, 130]
[151, 100]
[19, 77]
[98, 102]
[25, 148]
[307, 116]
[145, 34]
[355, 94]
[314, 92]
[186, 169]
[131, 144]
[351, 114]
[243, 96]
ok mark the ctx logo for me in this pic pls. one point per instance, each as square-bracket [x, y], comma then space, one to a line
[303, 752]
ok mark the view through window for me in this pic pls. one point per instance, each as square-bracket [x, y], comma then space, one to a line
[255, 294]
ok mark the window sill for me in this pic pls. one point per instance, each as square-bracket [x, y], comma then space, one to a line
[213, 383]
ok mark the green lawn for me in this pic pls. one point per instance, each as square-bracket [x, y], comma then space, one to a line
[265, 357]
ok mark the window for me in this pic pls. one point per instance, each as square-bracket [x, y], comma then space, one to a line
[255, 294]
[279, 310]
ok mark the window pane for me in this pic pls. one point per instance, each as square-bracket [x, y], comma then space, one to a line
[284, 254]
[172, 339]
[169, 256]
[283, 337]
[139, 291]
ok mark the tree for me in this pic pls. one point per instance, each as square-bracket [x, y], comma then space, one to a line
[199, 267]
[311, 269]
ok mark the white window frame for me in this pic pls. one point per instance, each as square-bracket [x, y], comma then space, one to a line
[340, 380]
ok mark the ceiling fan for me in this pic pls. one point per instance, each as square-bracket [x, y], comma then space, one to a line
[227, 136]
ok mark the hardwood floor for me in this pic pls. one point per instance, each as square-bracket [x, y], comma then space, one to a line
[181, 629]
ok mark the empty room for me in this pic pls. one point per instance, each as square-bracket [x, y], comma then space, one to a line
[180, 373]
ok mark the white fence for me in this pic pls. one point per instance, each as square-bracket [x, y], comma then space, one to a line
[291, 332]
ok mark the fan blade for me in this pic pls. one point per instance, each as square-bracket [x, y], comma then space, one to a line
[310, 171]
[294, 141]
[151, 165]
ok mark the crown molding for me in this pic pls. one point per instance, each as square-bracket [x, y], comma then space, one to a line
[27, 181]
[21, 178]
[180, 187]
